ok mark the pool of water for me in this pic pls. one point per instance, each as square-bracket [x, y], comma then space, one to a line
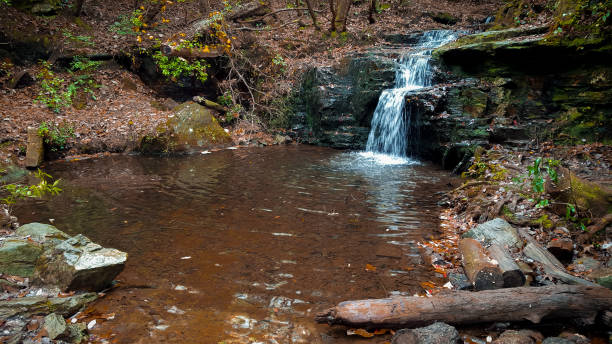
[247, 245]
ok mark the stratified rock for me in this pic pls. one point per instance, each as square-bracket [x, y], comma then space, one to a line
[79, 264]
[40, 305]
[437, 333]
[18, 257]
[42, 233]
[55, 326]
[192, 126]
[35, 149]
[496, 231]
[513, 337]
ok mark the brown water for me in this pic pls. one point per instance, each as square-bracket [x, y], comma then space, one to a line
[245, 246]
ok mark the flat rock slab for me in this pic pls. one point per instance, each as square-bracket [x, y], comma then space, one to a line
[18, 257]
[79, 264]
[55, 325]
[496, 231]
[40, 305]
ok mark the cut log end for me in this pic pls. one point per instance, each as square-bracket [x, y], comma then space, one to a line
[488, 278]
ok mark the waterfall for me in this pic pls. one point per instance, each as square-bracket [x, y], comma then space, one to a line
[390, 124]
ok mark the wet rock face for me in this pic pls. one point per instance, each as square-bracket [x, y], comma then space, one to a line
[79, 264]
[192, 126]
[18, 257]
[337, 102]
[437, 333]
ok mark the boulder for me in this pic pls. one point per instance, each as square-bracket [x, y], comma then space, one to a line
[437, 333]
[18, 257]
[55, 326]
[79, 264]
[496, 231]
[42, 233]
[557, 340]
[191, 127]
[40, 305]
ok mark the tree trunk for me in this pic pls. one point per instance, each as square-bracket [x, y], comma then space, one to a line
[312, 15]
[340, 10]
[78, 7]
[371, 12]
[464, 307]
[511, 273]
[479, 269]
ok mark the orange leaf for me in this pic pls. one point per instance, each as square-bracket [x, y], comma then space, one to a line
[370, 267]
[360, 332]
[427, 285]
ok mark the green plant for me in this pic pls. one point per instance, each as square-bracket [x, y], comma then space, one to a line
[78, 39]
[279, 61]
[55, 135]
[45, 186]
[536, 172]
[125, 24]
[174, 67]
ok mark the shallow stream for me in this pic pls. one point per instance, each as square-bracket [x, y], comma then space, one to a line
[246, 245]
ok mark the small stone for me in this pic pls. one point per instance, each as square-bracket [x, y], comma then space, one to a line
[513, 337]
[77, 332]
[437, 333]
[55, 325]
[603, 277]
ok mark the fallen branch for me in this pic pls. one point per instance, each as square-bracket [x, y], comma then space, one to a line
[479, 269]
[602, 223]
[267, 28]
[463, 307]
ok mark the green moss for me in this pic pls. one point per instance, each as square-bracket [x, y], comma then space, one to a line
[543, 221]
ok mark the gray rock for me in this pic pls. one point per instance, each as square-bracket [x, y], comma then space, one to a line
[79, 264]
[28, 306]
[437, 333]
[585, 263]
[513, 337]
[77, 332]
[18, 257]
[496, 231]
[42, 233]
[557, 340]
[603, 277]
[55, 326]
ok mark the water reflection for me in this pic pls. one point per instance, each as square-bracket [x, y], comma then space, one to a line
[246, 245]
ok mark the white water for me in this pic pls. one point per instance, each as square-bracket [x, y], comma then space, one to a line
[387, 141]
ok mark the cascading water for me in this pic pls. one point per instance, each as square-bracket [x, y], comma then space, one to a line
[390, 124]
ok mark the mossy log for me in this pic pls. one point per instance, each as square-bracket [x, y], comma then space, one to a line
[464, 307]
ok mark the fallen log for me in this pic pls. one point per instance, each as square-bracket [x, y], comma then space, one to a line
[512, 275]
[463, 307]
[551, 265]
[479, 269]
[210, 104]
[190, 53]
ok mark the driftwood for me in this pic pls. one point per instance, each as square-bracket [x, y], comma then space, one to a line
[551, 265]
[210, 104]
[464, 307]
[600, 224]
[511, 273]
[479, 269]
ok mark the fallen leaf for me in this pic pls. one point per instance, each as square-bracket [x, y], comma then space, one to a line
[370, 267]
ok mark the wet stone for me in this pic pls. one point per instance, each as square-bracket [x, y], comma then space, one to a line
[602, 277]
[79, 264]
[55, 325]
[514, 337]
[557, 340]
[42, 233]
[27, 306]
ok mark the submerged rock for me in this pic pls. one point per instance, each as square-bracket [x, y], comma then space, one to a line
[79, 264]
[191, 126]
[18, 257]
[437, 333]
[495, 231]
[40, 305]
